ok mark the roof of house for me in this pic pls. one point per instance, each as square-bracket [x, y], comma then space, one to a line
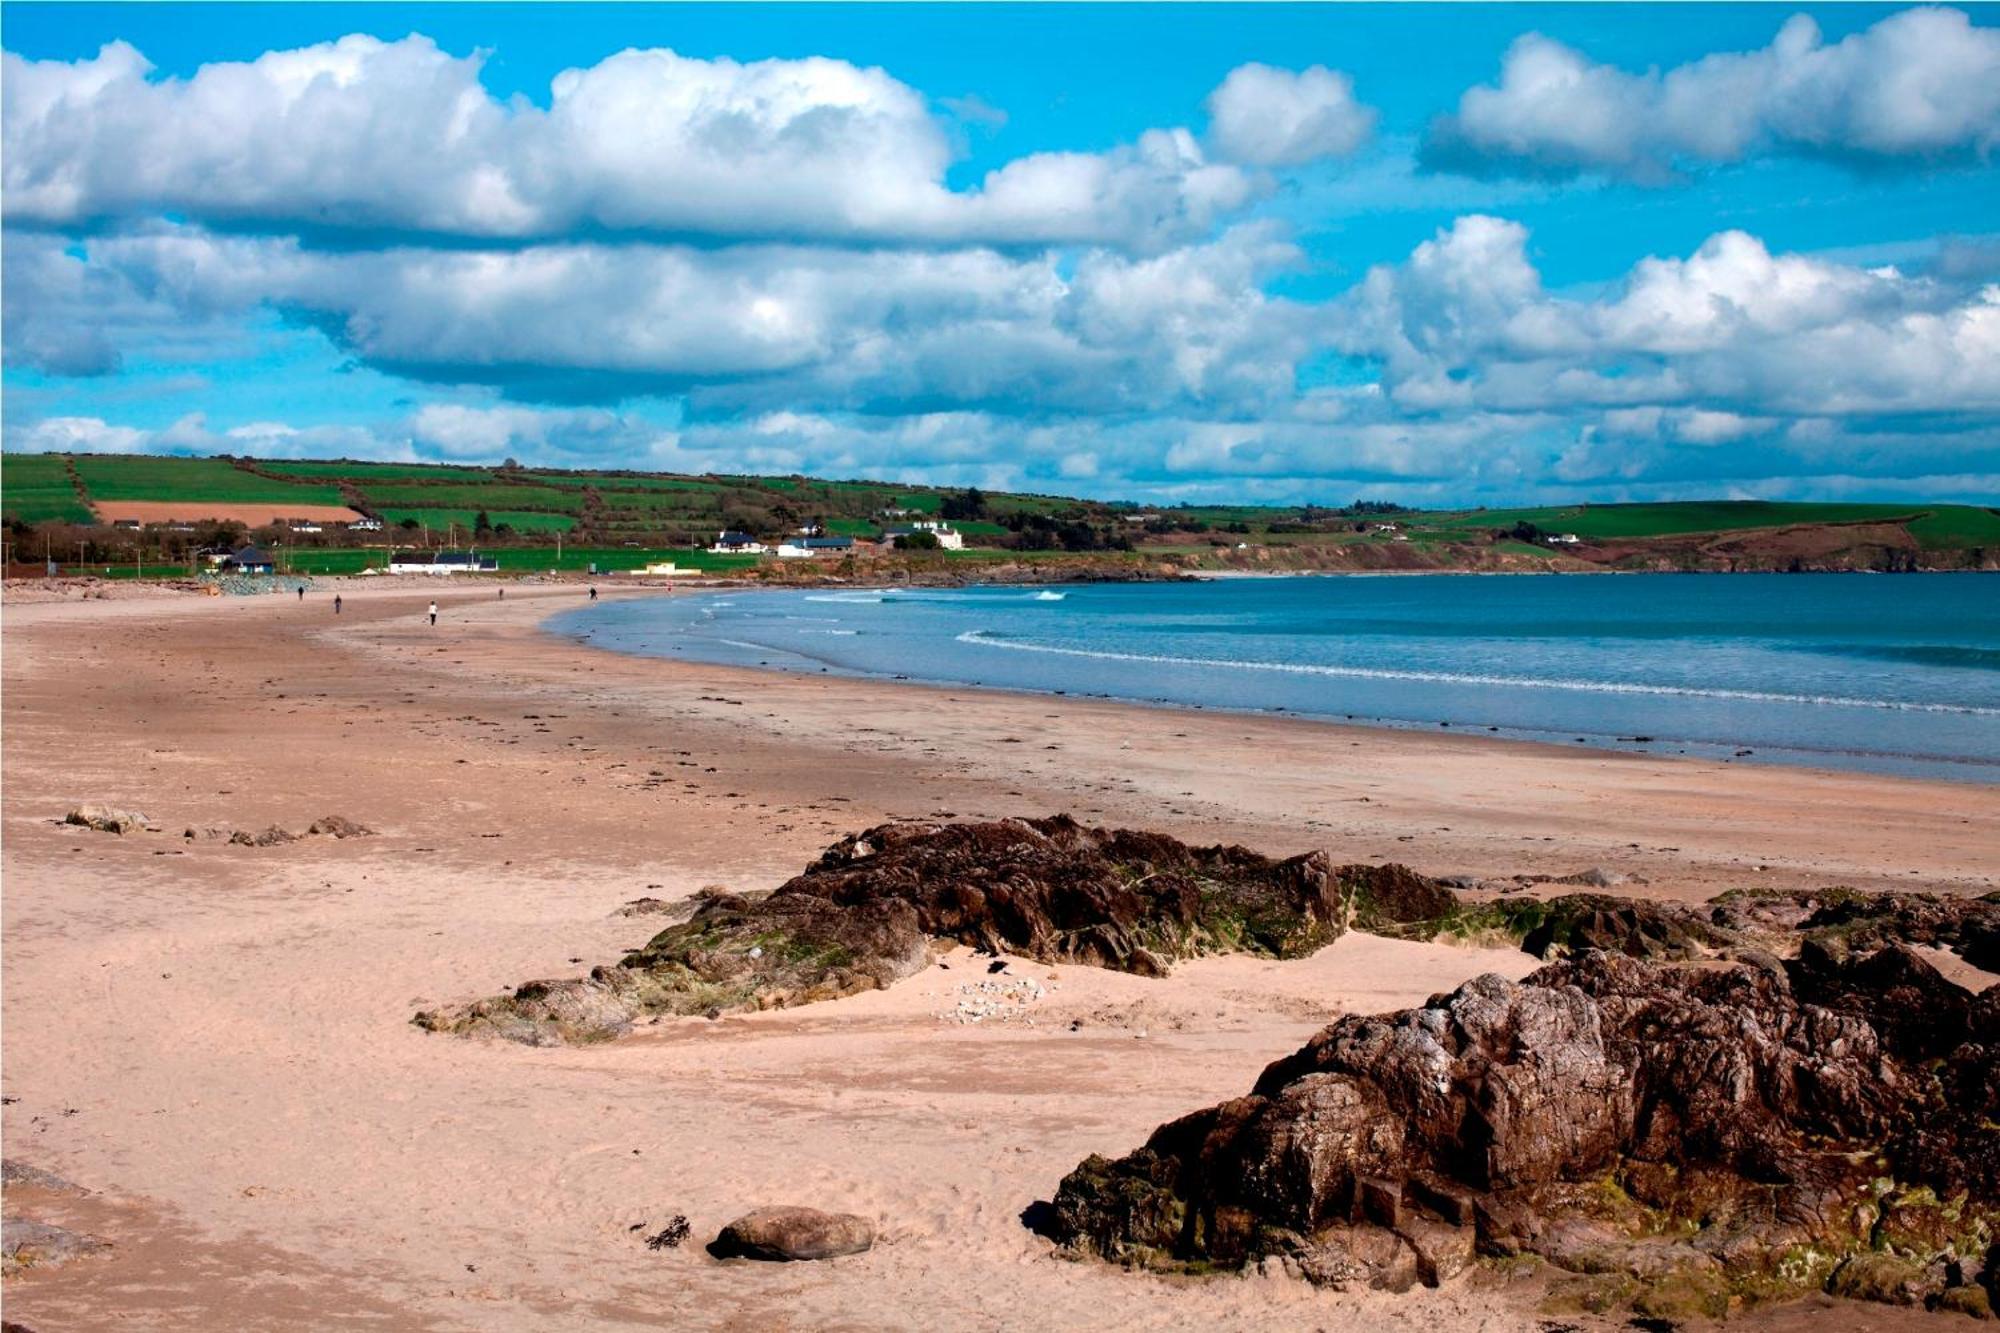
[826, 543]
[249, 555]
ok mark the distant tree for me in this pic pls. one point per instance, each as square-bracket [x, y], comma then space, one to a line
[482, 524]
[967, 504]
[917, 541]
[409, 525]
[1525, 531]
[503, 530]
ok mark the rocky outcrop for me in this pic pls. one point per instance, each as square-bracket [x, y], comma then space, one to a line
[866, 913]
[1850, 921]
[793, 1234]
[1675, 1136]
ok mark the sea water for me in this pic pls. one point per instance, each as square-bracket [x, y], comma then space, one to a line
[1887, 673]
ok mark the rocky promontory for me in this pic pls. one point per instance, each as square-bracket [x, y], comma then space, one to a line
[1678, 1137]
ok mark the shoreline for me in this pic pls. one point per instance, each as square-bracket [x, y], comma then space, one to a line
[216, 1039]
[1970, 772]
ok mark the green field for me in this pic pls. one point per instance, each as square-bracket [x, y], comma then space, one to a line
[1673, 519]
[109, 477]
[1953, 526]
[493, 495]
[35, 488]
[521, 520]
[378, 471]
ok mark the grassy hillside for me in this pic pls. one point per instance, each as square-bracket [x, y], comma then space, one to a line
[36, 489]
[633, 514]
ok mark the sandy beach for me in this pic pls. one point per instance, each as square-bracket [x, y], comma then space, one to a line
[214, 1040]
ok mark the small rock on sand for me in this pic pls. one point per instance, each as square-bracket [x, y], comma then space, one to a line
[29, 1244]
[106, 819]
[338, 826]
[793, 1233]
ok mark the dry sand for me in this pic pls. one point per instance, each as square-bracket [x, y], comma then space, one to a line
[215, 1039]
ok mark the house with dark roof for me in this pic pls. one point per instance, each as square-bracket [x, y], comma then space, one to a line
[247, 560]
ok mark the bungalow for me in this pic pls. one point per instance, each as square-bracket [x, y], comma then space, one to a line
[130, 524]
[737, 543]
[1563, 539]
[246, 560]
[442, 562]
[365, 524]
[804, 547]
[303, 525]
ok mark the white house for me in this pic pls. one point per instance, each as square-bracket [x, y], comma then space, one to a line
[366, 524]
[737, 543]
[805, 548]
[948, 537]
[1563, 539]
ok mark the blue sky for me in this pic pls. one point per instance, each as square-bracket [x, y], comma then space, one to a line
[1446, 254]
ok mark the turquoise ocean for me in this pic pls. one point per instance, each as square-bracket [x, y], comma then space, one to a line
[1885, 673]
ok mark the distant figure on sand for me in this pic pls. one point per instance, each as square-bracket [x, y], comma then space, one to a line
[302, 592]
[336, 603]
[434, 613]
[503, 592]
[593, 594]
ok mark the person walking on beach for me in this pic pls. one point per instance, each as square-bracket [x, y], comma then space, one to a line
[593, 592]
[434, 613]
[302, 592]
[503, 592]
[336, 603]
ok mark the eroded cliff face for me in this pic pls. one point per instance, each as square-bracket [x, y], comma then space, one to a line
[1678, 1136]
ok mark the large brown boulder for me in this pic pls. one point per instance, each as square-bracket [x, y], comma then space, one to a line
[793, 1234]
[1686, 1135]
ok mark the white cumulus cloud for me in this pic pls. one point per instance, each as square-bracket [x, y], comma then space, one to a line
[1923, 84]
[1270, 117]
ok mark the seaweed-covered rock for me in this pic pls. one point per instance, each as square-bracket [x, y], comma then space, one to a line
[1679, 1134]
[1636, 927]
[107, 819]
[864, 914]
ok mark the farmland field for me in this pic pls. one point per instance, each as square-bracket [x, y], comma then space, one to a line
[1672, 519]
[378, 471]
[109, 477]
[35, 488]
[494, 495]
[521, 520]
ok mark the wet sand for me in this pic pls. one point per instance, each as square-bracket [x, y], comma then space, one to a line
[215, 1039]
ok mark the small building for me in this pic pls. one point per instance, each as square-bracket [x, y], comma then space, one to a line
[1563, 539]
[247, 560]
[365, 524]
[303, 525]
[442, 562]
[126, 524]
[737, 543]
